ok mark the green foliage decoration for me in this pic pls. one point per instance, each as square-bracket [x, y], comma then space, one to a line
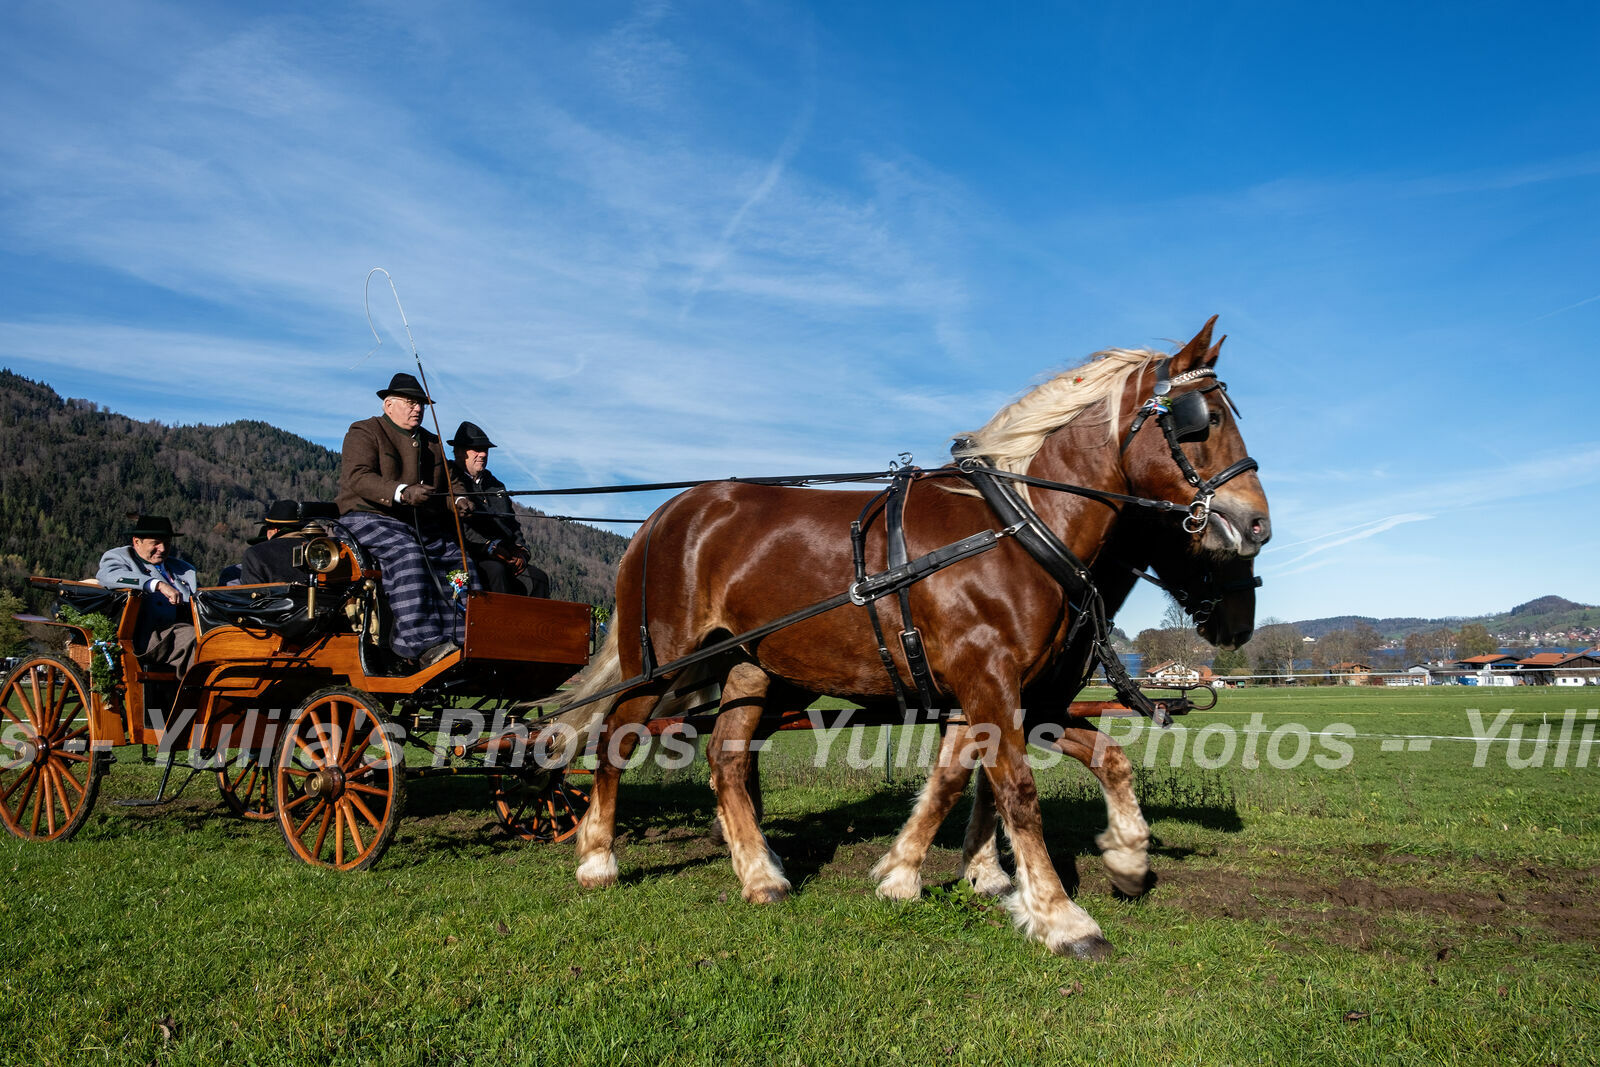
[13, 638]
[105, 661]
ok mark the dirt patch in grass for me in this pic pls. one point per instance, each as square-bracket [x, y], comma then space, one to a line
[1549, 902]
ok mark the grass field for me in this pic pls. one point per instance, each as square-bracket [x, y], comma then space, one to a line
[1394, 903]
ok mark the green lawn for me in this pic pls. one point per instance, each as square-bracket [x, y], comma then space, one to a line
[1405, 906]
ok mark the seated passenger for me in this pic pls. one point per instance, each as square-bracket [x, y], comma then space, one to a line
[493, 535]
[165, 632]
[393, 500]
[281, 515]
[270, 557]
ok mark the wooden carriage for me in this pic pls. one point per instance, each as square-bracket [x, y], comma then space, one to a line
[297, 708]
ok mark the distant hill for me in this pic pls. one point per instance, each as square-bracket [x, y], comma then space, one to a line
[1546, 614]
[73, 470]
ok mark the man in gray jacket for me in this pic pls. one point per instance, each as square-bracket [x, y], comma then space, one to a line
[148, 565]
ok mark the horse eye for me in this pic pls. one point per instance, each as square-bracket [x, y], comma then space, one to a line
[1216, 418]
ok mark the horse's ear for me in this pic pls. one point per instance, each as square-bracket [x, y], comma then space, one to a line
[1216, 350]
[1194, 353]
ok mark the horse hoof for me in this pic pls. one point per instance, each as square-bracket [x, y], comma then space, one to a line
[1122, 889]
[598, 872]
[902, 884]
[997, 884]
[771, 894]
[1092, 947]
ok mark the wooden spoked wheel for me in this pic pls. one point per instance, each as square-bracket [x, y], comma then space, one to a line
[339, 780]
[49, 774]
[246, 786]
[541, 805]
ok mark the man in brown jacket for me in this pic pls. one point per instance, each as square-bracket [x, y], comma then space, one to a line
[393, 498]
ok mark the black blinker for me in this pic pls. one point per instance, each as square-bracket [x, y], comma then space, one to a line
[1191, 417]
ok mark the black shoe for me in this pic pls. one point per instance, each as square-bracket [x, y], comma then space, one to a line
[436, 653]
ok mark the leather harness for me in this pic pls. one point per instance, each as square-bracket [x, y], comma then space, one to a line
[1178, 421]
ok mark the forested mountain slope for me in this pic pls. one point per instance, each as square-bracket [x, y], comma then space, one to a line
[72, 471]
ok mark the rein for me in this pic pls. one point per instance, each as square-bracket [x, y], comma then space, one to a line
[1179, 420]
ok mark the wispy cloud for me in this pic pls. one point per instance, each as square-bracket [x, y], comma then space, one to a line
[1569, 307]
[1333, 539]
[653, 241]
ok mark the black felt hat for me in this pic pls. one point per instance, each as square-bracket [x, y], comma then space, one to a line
[469, 436]
[405, 385]
[282, 515]
[152, 526]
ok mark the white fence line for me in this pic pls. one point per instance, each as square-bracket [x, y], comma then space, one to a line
[1498, 676]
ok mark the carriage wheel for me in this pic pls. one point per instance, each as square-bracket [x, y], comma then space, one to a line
[49, 775]
[246, 786]
[541, 805]
[339, 781]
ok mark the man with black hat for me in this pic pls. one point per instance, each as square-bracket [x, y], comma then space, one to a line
[493, 535]
[393, 497]
[165, 633]
[282, 516]
[270, 557]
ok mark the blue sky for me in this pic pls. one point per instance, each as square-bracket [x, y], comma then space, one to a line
[663, 241]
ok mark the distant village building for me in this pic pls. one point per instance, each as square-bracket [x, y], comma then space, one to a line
[1171, 672]
[1564, 669]
[1352, 673]
[1414, 675]
[1488, 669]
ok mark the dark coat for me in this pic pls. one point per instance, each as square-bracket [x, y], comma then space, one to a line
[378, 457]
[492, 518]
[272, 560]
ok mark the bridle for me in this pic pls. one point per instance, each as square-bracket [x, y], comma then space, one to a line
[1187, 418]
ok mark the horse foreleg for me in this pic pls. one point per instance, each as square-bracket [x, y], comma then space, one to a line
[899, 873]
[1040, 906]
[597, 863]
[729, 752]
[1125, 844]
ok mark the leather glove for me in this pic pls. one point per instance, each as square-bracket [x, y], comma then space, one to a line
[412, 495]
[511, 555]
[463, 506]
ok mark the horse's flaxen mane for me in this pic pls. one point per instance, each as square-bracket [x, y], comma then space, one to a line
[1093, 392]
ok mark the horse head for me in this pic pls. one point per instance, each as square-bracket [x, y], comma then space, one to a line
[1183, 445]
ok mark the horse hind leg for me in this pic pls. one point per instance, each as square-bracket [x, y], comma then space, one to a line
[597, 861]
[729, 752]
[980, 851]
[899, 872]
[752, 787]
[1125, 843]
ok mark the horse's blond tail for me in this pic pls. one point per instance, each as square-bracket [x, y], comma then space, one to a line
[605, 671]
[693, 689]
[575, 707]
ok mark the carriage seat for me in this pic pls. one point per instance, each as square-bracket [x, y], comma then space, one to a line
[280, 608]
[92, 598]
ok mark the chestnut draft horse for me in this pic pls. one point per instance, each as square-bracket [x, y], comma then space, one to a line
[726, 558]
[1219, 595]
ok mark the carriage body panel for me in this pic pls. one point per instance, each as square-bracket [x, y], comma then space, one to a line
[275, 669]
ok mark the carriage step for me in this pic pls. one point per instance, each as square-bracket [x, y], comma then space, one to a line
[161, 793]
